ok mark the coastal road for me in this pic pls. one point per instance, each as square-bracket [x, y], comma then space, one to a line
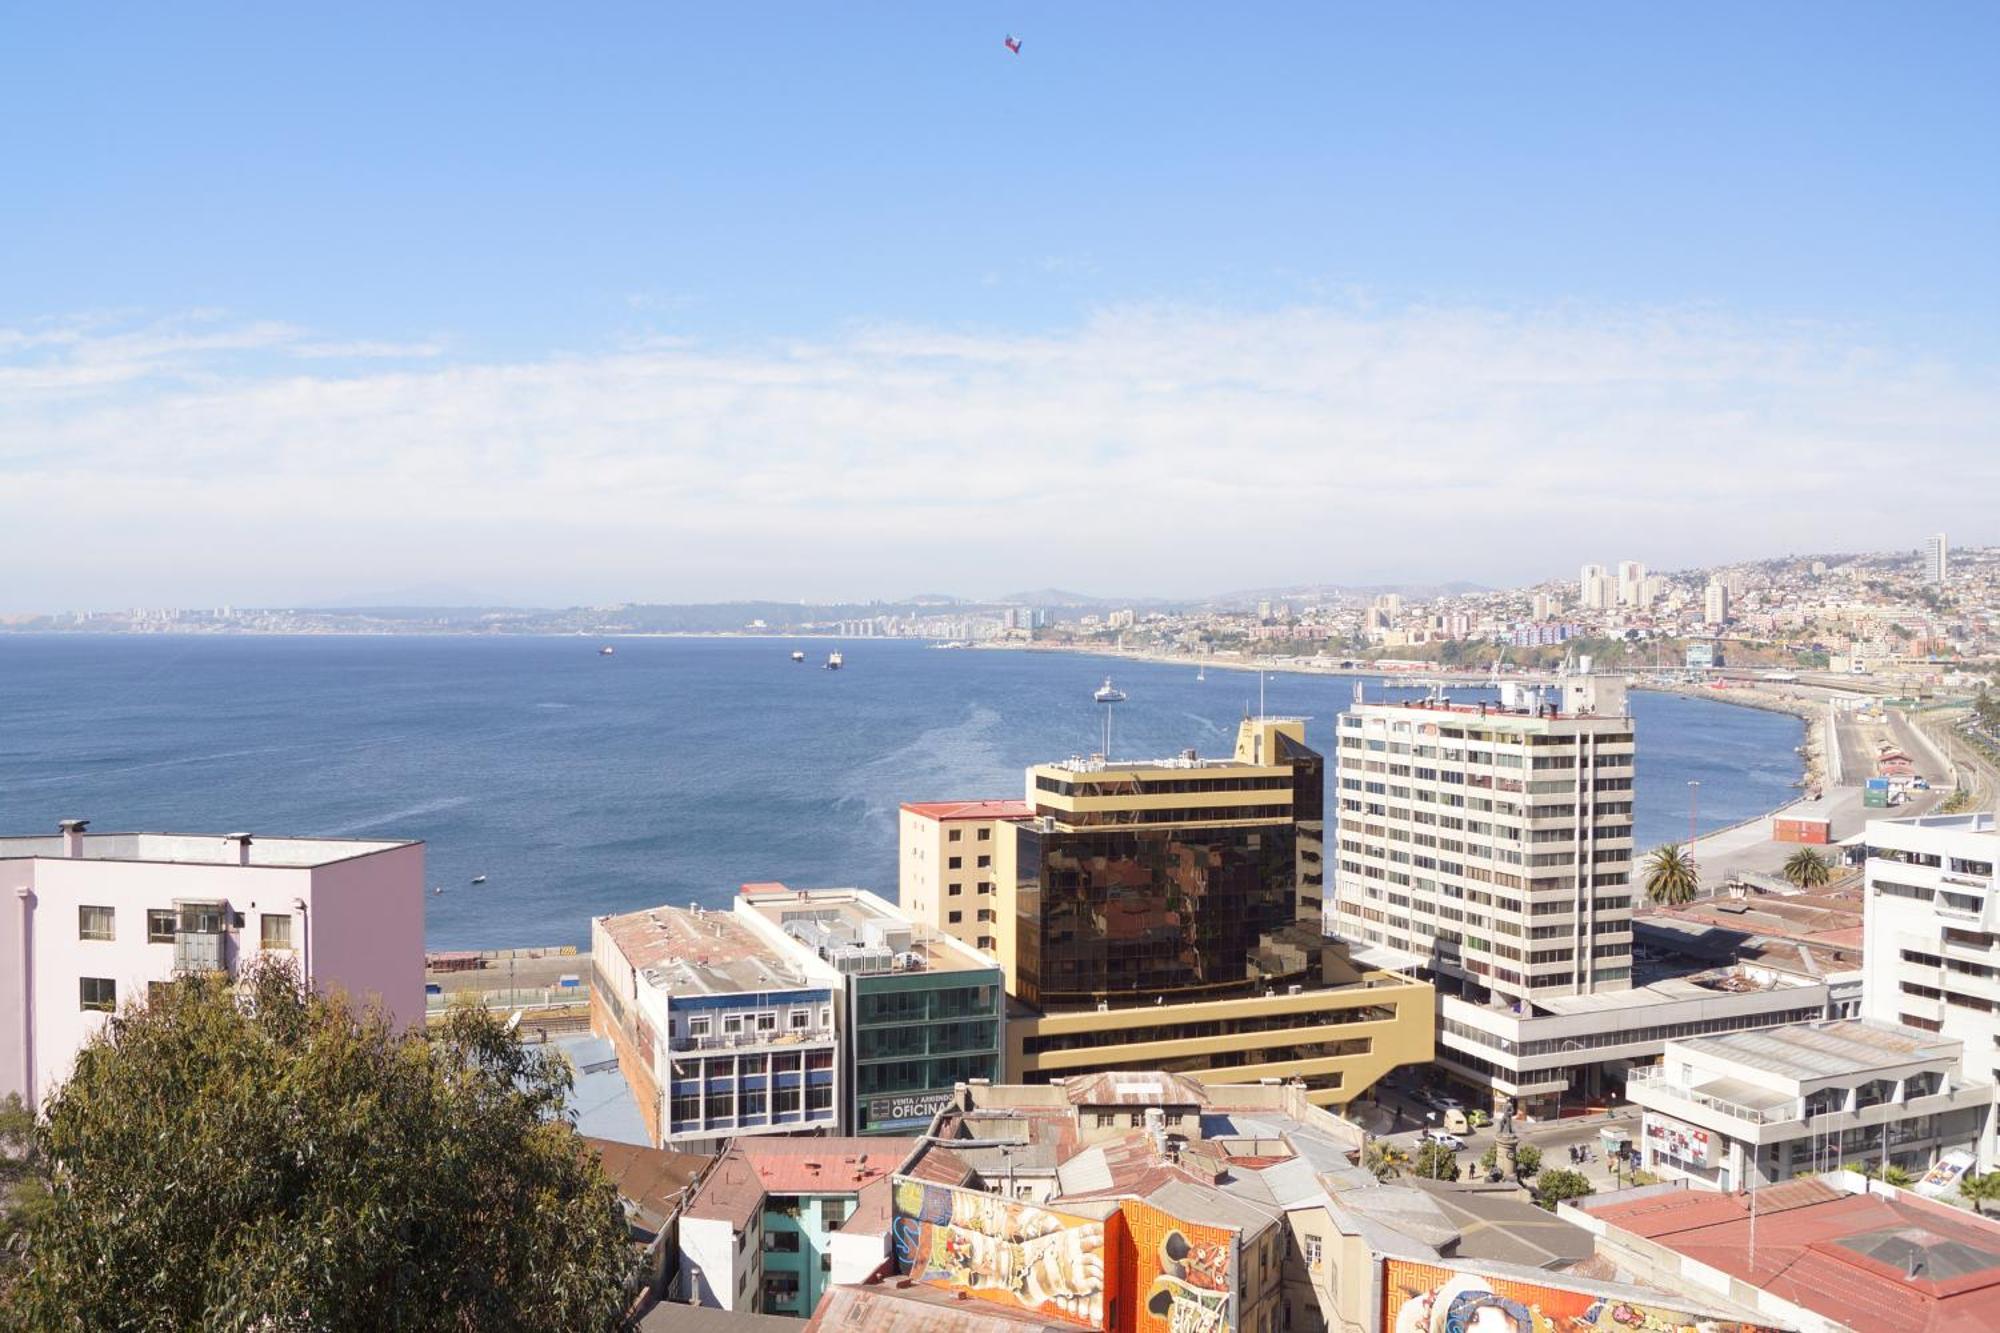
[1748, 846]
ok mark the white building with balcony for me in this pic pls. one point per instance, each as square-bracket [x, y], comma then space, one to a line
[718, 1033]
[1753, 1108]
[1932, 932]
[90, 922]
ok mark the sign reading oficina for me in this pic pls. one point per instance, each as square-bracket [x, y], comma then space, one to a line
[908, 1106]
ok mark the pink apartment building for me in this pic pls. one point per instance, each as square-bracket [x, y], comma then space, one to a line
[89, 921]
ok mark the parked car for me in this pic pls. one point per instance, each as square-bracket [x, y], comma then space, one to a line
[1442, 1139]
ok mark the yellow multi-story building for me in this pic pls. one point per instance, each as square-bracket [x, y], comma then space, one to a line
[946, 873]
[1167, 914]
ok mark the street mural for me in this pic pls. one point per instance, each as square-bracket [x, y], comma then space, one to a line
[1016, 1254]
[1422, 1298]
[1185, 1273]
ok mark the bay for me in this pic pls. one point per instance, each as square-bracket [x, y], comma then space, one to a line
[672, 771]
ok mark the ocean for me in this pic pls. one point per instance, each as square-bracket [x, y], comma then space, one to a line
[672, 771]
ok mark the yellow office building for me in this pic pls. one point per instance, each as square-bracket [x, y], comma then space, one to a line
[1167, 914]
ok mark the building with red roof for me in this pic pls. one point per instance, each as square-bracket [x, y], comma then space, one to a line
[1832, 1252]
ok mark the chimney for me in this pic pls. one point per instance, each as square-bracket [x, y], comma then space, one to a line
[72, 831]
[242, 841]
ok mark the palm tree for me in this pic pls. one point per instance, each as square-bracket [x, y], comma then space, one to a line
[1386, 1160]
[1672, 878]
[1979, 1190]
[1807, 869]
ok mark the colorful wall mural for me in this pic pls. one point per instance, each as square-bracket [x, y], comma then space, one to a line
[1035, 1259]
[1421, 1298]
[1184, 1274]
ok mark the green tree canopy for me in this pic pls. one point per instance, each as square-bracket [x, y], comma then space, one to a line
[1807, 869]
[237, 1156]
[1562, 1183]
[1672, 878]
[1434, 1161]
[22, 1195]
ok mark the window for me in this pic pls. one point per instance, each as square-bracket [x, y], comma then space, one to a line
[732, 1023]
[833, 1212]
[767, 1022]
[800, 1017]
[957, 889]
[986, 835]
[160, 924]
[275, 930]
[96, 923]
[698, 1027]
[781, 1242]
[97, 993]
[954, 917]
[985, 861]
[987, 943]
[952, 836]
[954, 863]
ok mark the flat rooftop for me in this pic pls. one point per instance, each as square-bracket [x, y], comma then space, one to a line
[945, 811]
[214, 849]
[702, 952]
[1979, 821]
[1845, 1048]
[1700, 986]
[853, 912]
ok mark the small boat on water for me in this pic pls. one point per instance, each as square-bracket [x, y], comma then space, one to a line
[1201, 673]
[606, 651]
[1107, 693]
[479, 879]
[833, 661]
[798, 656]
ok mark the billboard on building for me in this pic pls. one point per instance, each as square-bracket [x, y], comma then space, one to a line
[1423, 1298]
[1183, 1273]
[1055, 1265]
[1685, 1143]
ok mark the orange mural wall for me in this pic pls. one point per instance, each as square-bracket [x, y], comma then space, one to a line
[1422, 1298]
[1183, 1273]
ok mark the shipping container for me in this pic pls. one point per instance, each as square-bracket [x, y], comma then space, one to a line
[1815, 832]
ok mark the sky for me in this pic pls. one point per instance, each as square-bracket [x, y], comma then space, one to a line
[585, 304]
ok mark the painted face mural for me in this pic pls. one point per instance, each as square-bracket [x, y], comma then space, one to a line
[1420, 1298]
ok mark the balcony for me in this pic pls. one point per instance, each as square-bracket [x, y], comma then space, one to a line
[741, 1041]
[1652, 1079]
[201, 951]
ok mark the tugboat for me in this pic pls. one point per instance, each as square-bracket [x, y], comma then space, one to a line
[1107, 693]
[833, 661]
[798, 656]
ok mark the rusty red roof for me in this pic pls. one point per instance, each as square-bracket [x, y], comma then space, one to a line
[990, 809]
[1896, 1264]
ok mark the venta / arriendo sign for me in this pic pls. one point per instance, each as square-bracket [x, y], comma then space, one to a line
[912, 1106]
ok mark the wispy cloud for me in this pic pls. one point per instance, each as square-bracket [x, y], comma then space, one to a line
[1152, 448]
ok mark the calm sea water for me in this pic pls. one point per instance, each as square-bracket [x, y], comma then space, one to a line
[671, 772]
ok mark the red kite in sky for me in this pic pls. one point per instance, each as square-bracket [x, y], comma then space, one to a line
[1014, 44]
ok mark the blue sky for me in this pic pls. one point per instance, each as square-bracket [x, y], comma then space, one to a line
[383, 204]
